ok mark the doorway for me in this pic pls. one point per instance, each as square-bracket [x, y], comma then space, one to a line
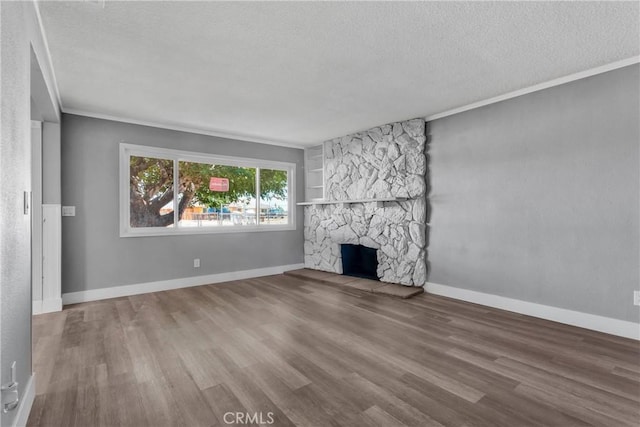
[45, 196]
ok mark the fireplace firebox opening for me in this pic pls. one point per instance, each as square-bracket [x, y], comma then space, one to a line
[359, 261]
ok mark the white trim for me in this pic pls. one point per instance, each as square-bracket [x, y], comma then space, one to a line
[165, 285]
[291, 207]
[127, 150]
[29, 395]
[51, 305]
[545, 85]
[46, 306]
[51, 257]
[594, 322]
[189, 231]
[37, 213]
[231, 135]
[187, 129]
[36, 307]
[47, 52]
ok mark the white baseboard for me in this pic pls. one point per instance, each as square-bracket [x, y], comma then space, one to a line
[47, 306]
[594, 322]
[27, 398]
[165, 285]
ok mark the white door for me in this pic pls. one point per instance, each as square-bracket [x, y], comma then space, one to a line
[36, 215]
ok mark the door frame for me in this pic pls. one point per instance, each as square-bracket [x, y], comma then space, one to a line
[36, 217]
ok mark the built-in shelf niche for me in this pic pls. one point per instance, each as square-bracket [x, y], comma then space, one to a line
[314, 173]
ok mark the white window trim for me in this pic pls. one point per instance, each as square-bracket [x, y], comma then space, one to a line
[127, 150]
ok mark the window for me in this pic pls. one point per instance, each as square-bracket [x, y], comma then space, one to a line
[168, 192]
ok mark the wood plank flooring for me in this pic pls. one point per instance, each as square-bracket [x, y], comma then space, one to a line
[308, 354]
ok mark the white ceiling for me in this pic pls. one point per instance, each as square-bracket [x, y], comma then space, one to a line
[301, 73]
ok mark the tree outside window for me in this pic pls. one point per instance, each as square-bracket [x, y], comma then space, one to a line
[256, 196]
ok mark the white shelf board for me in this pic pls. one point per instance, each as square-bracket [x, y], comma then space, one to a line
[348, 202]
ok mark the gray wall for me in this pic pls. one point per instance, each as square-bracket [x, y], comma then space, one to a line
[93, 254]
[537, 198]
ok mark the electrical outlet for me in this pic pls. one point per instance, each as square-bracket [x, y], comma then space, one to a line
[196, 263]
[68, 211]
[636, 297]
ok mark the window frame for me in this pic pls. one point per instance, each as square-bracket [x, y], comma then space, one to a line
[127, 150]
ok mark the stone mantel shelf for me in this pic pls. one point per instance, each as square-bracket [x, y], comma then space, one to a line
[348, 202]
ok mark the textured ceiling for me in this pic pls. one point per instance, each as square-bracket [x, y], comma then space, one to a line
[306, 72]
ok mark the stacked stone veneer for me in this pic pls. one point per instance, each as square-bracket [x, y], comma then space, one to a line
[384, 162]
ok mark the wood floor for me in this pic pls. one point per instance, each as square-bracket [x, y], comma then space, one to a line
[322, 355]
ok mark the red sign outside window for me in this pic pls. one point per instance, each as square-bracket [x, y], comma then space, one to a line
[219, 184]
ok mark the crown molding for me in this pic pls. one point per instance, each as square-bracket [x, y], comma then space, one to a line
[540, 86]
[47, 52]
[208, 132]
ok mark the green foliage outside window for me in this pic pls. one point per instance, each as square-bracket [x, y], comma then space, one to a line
[151, 187]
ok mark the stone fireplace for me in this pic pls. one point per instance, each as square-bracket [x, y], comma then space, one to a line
[383, 163]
